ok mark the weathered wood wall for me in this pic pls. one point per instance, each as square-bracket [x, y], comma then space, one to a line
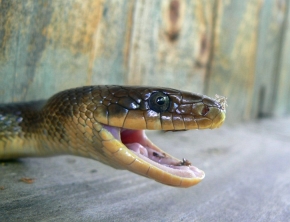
[235, 48]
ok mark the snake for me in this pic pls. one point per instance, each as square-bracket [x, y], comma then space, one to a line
[108, 123]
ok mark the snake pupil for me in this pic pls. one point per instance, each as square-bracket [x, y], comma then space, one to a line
[159, 102]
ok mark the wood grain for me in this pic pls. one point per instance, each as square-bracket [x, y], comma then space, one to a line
[232, 71]
[282, 102]
[238, 49]
[170, 44]
[269, 54]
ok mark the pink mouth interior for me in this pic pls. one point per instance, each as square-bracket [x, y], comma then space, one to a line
[137, 142]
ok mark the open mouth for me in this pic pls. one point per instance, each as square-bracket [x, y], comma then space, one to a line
[138, 143]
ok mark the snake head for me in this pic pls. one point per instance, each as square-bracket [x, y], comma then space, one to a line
[159, 109]
[113, 120]
[126, 112]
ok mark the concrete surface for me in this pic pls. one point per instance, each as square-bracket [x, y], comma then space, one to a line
[247, 179]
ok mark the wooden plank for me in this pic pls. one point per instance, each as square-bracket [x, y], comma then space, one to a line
[47, 46]
[270, 46]
[282, 102]
[103, 42]
[228, 48]
[232, 69]
[170, 43]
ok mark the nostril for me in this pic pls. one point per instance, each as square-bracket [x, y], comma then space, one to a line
[205, 110]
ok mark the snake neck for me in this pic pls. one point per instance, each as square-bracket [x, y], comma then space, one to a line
[21, 126]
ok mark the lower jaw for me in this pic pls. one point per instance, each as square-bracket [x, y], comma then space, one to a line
[138, 143]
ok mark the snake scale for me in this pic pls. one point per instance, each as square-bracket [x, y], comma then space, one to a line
[108, 123]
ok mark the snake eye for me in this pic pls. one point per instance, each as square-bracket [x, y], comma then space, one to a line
[159, 102]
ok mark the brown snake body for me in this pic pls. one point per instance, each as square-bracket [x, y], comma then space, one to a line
[107, 123]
